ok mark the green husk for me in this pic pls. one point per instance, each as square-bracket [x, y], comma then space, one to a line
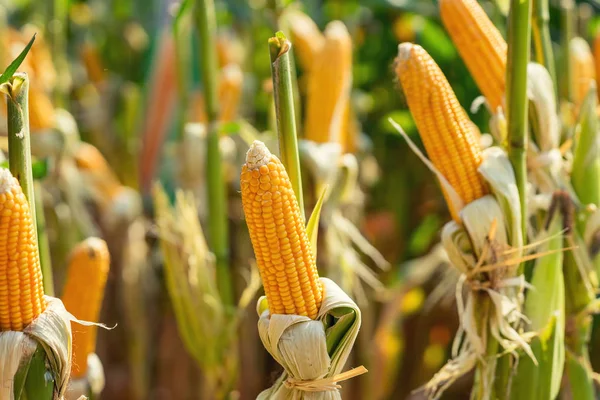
[580, 382]
[585, 175]
[541, 38]
[545, 308]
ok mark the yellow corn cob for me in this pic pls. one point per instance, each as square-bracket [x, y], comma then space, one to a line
[307, 40]
[582, 68]
[230, 91]
[230, 50]
[350, 131]
[283, 251]
[92, 62]
[83, 294]
[329, 86]
[480, 44]
[21, 290]
[89, 160]
[41, 110]
[447, 133]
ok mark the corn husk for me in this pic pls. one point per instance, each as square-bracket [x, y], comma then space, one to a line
[52, 331]
[486, 249]
[305, 348]
[541, 93]
[545, 309]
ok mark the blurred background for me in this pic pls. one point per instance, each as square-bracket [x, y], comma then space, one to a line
[109, 73]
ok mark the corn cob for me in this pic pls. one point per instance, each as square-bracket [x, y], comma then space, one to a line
[306, 38]
[230, 50]
[83, 294]
[480, 44]
[582, 68]
[448, 134]
[350, 131]
[196, 108]
[21, 290]
[89, 159]
[92, 63]
[230, 91]
[283, 251]
[329, 86]
[41, 110]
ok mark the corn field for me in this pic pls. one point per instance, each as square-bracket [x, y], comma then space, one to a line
[299, 199]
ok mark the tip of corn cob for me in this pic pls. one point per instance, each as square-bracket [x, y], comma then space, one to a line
[7, 181]
[258, 155]
[335, 30]
[404, 51]
[89, 264]
[232, 73]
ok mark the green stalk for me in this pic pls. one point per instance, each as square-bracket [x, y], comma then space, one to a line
[217, 200]
[19, 151]
[182, 60]
[19, 144]
[541, 37]
[281, 71]
[567, 28]
[519, 35]
[131, 101]
[60, 19]
[43, 242]
[483, 385]
[579, 327]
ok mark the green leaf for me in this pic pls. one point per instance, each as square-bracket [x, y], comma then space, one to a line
[312, 227]
[40, 169]
[39, 384]
[12, 68]
[544, 306]
[503, 6]
[20, 376]
[581, 385]
[585, 175]
[230, 128]
[542, 381]
[342, 319]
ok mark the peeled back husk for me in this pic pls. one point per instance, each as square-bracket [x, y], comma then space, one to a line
[52, 331]
[309, 349]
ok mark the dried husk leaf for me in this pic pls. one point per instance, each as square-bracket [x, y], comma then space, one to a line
[492, 306]
[541, 93]
[498, 172]
[299, 344]
[51, 330]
